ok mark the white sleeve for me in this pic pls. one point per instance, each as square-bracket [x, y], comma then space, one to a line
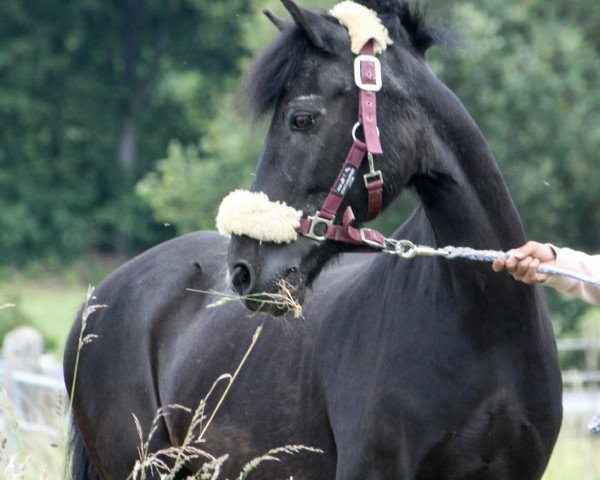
[579, 263]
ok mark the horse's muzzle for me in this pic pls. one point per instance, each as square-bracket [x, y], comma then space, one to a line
[265, 275]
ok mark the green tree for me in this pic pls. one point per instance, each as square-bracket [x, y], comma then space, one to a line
[532, 82]
[225, 158]
[530, 77]
[529, 73]
[90, 95]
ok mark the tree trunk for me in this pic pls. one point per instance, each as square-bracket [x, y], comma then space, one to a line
[127, 144]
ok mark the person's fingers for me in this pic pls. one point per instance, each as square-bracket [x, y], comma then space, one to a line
[532, 276]
[498, 264]
[522, 263]
[542, 251]
[527, 250]
[512, 261]
[542, 277]
[521, 269]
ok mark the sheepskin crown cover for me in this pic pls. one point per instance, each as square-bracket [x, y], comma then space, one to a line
[363, 24]
[252, 213]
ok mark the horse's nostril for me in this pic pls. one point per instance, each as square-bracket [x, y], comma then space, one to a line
[241, 278]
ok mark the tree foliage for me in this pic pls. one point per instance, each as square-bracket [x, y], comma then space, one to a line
[531, 79]
[528, 72]
[91, 92]
[188, 185]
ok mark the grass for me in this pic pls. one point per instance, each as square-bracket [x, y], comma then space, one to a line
[20, 454]
[284, 298]
[52, 310]
[577, 453]
[40, 456]
[51, 306]
[32, 455]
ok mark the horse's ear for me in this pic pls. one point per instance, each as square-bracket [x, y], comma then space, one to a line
[323, 32]
[279, 22]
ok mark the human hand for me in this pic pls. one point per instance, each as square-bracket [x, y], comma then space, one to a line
[524, 262]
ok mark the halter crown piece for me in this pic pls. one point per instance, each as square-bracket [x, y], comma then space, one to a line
[363, 25]
[254, 215]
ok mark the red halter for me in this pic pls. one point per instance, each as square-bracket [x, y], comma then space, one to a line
[320, 226]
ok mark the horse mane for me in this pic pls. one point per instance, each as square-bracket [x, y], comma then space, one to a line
[404, 20]
[282, 60]
[270, 73]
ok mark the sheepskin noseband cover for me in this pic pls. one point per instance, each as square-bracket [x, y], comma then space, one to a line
[253, 214]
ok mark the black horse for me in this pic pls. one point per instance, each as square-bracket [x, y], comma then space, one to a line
[413, 369]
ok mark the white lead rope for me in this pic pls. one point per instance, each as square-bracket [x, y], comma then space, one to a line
[407, 249]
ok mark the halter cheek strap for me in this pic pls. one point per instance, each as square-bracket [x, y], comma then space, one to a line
[320, 226]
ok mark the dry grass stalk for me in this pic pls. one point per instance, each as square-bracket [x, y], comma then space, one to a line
[88, 309]
[270, 456]
[168, 462]
[284, 298]
[14, 469]
[28, 454]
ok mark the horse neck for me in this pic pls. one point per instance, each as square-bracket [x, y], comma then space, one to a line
[465, 201]
[460, 187]
[469, 205]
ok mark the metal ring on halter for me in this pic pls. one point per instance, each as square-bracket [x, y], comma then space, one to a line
[406, 249]
[355, 127]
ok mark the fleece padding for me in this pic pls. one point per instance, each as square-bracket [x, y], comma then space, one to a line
[363, 24]
[253, 214]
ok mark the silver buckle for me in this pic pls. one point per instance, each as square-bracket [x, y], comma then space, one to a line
[368, 242]
[314, 221]
[370, 87]
[368, 177]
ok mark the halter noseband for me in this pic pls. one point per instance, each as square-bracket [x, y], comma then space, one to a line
[320, 226]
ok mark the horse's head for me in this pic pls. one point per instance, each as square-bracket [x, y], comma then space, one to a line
[307, 78]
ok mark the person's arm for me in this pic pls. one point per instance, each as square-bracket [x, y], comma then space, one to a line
[524, 261]
[579, 263]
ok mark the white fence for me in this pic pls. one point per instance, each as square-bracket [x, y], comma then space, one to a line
[32, 401]
[38, 399]
[590, 376]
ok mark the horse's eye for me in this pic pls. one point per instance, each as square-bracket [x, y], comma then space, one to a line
[303, 121]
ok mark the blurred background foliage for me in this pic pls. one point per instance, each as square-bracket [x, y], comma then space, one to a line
[120, 127]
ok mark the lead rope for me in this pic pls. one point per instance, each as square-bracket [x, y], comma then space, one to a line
[407, 249]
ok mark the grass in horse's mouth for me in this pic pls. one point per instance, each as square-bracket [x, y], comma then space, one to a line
[283, 298]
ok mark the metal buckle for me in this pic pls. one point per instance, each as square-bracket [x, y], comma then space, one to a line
[370, 87]
[314, 221]
[368, 242]
[407, 249]
[368, 177]
[355, 128]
